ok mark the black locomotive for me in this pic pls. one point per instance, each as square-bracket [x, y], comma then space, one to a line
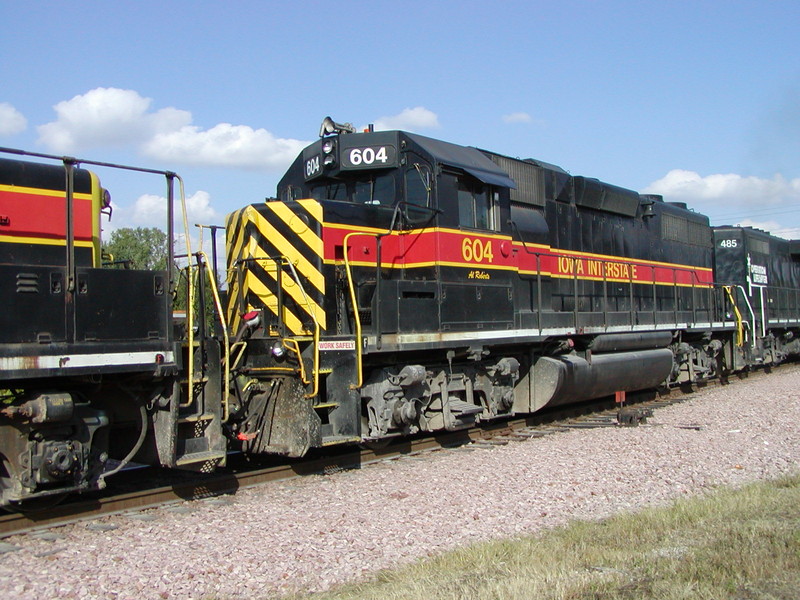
[78, 358]
[398, 284]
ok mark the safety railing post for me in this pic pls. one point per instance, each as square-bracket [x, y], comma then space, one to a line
[539, 290]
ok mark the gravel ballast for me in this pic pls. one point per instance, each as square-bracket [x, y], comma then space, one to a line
[313, 532]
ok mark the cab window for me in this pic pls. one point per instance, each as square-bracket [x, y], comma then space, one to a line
[476, 204]
[331, 190]
[292, 192]
[375, 190]
[368, 189]
[418, 185]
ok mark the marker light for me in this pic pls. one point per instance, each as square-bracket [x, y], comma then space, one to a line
[252, 319]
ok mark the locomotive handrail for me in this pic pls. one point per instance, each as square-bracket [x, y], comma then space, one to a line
[226, 339]
[189, 290]
[351, 285]
[353, 300]
[190, 283]
[752, 315]
[515, 227]
[738, 314]
[315, 352]
[85, 161]
[674, 269]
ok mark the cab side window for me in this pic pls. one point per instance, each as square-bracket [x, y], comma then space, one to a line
[418, 185]
[476, 204]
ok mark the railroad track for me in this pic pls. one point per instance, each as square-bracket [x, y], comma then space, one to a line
[600, 413]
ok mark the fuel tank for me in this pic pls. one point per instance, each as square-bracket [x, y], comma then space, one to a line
[555, 380]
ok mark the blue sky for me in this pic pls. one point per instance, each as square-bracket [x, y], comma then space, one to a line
[699, 101]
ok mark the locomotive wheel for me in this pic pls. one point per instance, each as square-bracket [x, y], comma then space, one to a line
[35, 505]
[31, 506]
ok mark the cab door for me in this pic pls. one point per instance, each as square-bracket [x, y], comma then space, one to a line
[473, 256]
[417, 292]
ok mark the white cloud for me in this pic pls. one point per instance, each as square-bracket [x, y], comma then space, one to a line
[107, 117]
[224, 145]
[773, 227]
[735, 199]
[410, 119]
[518, 117]
[150, 210]
[114, 117]
[11, 120]
[730, 189]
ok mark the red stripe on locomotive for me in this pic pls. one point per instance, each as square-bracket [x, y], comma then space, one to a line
[434, 246]
[44, 216]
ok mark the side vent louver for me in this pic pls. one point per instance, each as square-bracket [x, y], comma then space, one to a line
[27, 283]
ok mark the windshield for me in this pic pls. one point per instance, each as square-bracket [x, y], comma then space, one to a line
[365, 189]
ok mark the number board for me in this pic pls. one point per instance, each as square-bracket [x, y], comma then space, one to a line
[312, 161]
[379, 156]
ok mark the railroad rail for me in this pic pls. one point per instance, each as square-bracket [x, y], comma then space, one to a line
[603, 412]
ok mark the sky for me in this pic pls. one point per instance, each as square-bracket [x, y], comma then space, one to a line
[698, 100]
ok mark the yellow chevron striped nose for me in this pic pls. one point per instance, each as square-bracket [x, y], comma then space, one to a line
[275, 257]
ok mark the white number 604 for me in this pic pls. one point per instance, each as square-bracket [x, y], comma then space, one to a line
[368, 156]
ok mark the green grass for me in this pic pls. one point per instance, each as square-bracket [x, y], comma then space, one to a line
[738, 544]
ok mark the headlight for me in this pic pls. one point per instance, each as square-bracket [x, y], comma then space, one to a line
[328, 146]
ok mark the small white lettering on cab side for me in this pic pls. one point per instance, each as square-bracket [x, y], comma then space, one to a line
[337, 345]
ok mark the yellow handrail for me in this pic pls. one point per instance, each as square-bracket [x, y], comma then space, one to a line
[739, 320]
[356, 317]
[296, 349]
[292, 343]
[226, 340]
[190, 300]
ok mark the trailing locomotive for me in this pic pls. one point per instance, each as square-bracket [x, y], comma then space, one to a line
[763, 272]
[397, 284]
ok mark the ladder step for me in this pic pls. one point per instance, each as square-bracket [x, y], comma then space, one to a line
[196, 418]
[332, 440]
[461, 408]
[327, 405]
[199, 457]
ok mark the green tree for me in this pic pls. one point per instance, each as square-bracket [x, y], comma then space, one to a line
[143, 247]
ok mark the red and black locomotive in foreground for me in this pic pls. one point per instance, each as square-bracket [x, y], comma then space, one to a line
[398, 284]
